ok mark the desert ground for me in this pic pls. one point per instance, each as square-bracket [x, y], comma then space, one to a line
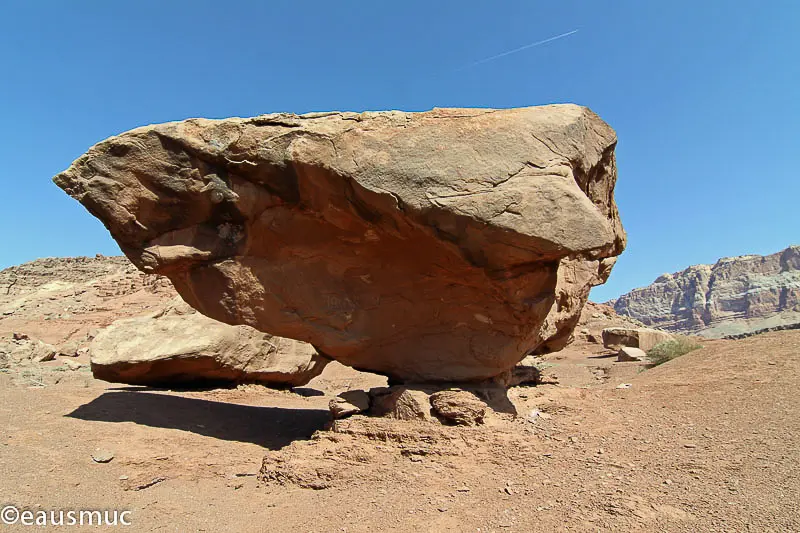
[706, 442]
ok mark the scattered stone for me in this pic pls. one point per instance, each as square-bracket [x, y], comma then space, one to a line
[69, 349]
[147, 485]
[178, 345]
[643, 338]
[73, 365]
[248, 216]
[627, 353]
[536, 414]
[20, 336]
[458, 407]
[102, 456]
[349, 403]
[624, 386]
[688, 445]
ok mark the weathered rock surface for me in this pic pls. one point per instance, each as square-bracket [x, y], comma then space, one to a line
[443, 245]
[22, 349]
[180, 346]
[644, 338]
[735, 296]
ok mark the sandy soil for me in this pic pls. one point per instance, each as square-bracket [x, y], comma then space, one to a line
[707, 442]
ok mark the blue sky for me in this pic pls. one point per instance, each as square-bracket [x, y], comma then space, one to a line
[705, 98]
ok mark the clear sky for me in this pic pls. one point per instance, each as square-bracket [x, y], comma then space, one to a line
[705, 98]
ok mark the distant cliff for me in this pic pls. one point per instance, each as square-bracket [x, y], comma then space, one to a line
[735, 296]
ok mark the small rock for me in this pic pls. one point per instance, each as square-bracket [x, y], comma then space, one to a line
[349, 403]
[102, 456]
[147, 485]
[73, 365]
[400, 402]
[463, 489]
[627, 353]
[20, 337]
[690, 445]
[68, 349]
[536, 414]
[459, 407]
[667, 482]
[526, 372]
[624, 386]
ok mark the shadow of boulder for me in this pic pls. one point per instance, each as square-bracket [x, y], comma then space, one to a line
[269, 427]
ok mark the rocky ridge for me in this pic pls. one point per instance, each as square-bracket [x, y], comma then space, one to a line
[736, 296]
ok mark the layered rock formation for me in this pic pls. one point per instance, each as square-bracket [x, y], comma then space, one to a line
[443, 245]
[737, 295]
[177, 345]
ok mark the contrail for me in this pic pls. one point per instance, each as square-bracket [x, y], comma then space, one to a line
[515, 50]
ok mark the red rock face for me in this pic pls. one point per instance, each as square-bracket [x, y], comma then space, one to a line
[425, 246]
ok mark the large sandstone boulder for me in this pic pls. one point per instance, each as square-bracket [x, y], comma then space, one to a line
[644, 338]
[180, 346]
[443, 245]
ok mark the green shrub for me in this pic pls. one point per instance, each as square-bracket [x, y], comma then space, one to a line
[669, 350]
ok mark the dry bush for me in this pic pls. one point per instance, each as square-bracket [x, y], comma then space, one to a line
[669, 350]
